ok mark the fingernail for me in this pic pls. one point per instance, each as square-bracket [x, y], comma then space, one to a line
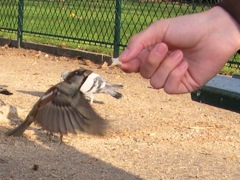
[161, 48]
[183, 65]
[176, 54]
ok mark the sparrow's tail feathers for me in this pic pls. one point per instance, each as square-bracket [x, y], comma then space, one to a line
[18, 131]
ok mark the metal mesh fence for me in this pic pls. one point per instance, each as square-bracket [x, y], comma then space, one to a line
[86, 21]
[8, 15]
[96, 25]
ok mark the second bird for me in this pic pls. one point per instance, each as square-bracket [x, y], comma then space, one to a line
[94, 84]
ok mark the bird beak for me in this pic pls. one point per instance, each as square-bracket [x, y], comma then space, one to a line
[87, 73]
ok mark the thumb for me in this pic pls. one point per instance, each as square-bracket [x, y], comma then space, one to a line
[150, 36]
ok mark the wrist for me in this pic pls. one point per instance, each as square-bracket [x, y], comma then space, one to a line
[227, 24]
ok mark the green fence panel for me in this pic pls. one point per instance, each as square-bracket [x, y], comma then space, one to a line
[86, 21]
[96, 25]
[138, 14]
[8, 15]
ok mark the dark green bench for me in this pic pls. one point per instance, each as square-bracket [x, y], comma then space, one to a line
[221, 91]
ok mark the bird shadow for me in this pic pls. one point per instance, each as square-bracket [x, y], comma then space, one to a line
[33, 93]
[4, 91]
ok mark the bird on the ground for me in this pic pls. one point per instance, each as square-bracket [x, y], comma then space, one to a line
[96, 84]
[64, 109]
[3, 90]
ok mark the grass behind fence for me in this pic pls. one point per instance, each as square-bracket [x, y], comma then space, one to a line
[88, 25]
[84, 24]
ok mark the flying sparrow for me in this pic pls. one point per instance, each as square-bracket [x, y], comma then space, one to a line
[63, 109]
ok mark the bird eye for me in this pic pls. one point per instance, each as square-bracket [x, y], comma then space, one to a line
[80, 72]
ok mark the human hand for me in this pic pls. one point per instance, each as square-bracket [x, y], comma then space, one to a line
[181, 54]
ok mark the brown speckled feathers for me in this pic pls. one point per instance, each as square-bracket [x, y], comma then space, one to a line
[63, 109]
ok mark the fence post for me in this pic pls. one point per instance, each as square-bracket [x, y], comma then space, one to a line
[20, 23]
[117, 28]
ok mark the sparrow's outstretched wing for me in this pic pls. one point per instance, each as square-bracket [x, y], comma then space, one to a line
[69, 113]
[63, 109]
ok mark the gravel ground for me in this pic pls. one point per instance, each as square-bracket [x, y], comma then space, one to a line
[152, 136]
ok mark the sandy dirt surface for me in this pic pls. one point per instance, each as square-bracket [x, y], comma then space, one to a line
[152, 136]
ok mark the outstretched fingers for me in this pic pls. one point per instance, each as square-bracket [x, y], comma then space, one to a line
[143, 40]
